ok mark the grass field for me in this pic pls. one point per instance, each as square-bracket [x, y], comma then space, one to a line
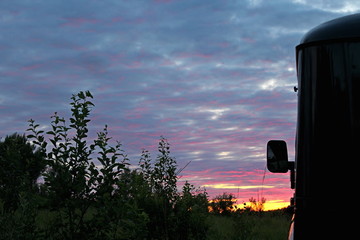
[245, 225]
[272, 225]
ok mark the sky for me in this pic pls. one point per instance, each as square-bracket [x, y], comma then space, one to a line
[214, 77]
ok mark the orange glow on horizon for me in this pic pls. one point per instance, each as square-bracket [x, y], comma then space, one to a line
[275, 204]
[233, 186]
[268, 206]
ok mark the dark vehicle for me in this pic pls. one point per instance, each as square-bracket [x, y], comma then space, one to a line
[325, 174]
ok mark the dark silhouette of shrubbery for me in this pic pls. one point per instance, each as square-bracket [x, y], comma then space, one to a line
[88, 189]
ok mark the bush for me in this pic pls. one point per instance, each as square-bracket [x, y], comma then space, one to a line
[89, 191]
[223, 204]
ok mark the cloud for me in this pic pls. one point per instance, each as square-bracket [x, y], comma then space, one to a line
[343, 7]
[216, 78]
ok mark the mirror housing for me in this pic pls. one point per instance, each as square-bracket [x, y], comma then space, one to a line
[277, 156]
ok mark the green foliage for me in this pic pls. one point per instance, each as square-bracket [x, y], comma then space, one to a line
[90, 192]
[20, 166]
[68, 165]
[223, 204]
[249, 226]
[83, 196]
[164, 173]
[191, 213]
[21, 224]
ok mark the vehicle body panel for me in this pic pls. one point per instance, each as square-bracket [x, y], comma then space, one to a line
[328, 130]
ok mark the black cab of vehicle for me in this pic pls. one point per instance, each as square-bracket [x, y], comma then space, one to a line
[324, 174]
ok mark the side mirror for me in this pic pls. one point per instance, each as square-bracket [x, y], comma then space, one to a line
[277, 156]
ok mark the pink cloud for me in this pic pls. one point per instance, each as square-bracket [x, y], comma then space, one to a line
[243, 184]
[31, 67]
[78, 22]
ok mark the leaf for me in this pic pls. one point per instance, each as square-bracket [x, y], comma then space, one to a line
[89, 103]
[81, 95]
[43, 145]
[30, 136]
[88, 94]
[50, 133]
[53, 141]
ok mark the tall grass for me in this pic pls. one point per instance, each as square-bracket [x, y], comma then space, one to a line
[272, 225]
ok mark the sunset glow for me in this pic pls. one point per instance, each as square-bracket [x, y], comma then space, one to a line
[214, 77]
[276, 204]
[230, 186]
[269, 205]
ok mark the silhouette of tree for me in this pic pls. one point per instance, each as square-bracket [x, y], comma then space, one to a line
[89, 189]
[88, 201]
[20, 166]
[223, 204]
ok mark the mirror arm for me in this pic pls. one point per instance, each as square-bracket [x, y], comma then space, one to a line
[292, 174]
